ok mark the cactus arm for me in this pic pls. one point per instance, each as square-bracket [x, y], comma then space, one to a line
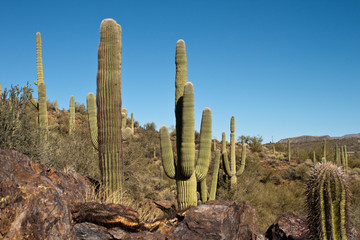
[223, 142]
[243, 160]
[203, 161]
[72, 115]
[203, 191]
[167, 155]
[92, 114]
[187, 162]
[30, 97]
[226, 164]
[123, 118]
[215, 176]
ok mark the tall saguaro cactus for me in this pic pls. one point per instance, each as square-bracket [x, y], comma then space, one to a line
[230, 168]
[72, 115]
[41, 104]
[106, 127]
[328, 200]
[184, 169]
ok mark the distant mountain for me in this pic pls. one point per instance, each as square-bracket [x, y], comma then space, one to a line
[308, 138]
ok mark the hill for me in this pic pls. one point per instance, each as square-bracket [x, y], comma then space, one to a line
[308, 138]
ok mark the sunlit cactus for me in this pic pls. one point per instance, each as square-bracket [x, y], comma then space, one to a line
[72, 115]
[105, 120]
[183, 169]
[230, 166]
[289, 150]
[328, 201]
[41, 104]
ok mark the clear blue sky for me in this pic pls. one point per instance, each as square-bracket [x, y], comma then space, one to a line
[282, 67]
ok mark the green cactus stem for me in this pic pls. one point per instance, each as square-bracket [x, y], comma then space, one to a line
[243, 159]
[324, 151]
[41, 104]
[72, 115]
[105, 121]
[314, 157]
[328, 203]
[289, 150]
[273, 147]
[215, 176]
[230, 168]
[127, 132]
[185, 172]
[337, 155]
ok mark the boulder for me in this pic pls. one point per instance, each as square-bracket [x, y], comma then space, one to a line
[35, 200]
[289, 226]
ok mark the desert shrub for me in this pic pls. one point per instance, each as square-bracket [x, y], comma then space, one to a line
[18, 118]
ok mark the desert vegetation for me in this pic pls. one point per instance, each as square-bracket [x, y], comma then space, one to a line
[134, 164]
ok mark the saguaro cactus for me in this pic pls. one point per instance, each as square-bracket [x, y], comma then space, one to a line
[324, 151]
[41, 104]
[106, 127]
[289, 150]
[215, 176]
[72, 115]
[328, 200]
[127, 132]
[230, 168]
[184, 170]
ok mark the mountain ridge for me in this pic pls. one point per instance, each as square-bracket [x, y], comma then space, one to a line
[309, 138]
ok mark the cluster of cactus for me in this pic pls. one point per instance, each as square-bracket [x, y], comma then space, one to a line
[183, 169]
[230, 168]
[341, 157]
[127, 132]
[105, 120]
[204, 194]
[72, 115]
[327, 203]
[41, 104]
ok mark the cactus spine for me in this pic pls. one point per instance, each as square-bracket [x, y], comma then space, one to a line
[72, 115]
[184, 171]
[106, 127]
[327, 203]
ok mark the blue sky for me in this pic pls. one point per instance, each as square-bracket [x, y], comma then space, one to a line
[283, 68]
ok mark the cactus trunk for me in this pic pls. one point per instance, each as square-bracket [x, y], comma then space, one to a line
[109, 105]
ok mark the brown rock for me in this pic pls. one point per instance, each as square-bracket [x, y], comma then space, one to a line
[289, 226]
[35, 200]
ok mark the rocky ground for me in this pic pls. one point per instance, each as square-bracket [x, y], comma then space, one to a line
[37, 202]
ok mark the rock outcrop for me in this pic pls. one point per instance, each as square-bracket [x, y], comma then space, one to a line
[37, 202]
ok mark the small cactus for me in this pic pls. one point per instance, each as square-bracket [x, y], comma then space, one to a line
[72, 115]
[324, 151]
[328, 200]
[230, 168]
[289, 150]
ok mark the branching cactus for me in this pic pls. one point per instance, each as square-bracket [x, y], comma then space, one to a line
[105, 120]
[328, 201]
[185, 172]
[215, 176]
[183, 169]
[41, 104]
[72, 115]
[230, 168]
